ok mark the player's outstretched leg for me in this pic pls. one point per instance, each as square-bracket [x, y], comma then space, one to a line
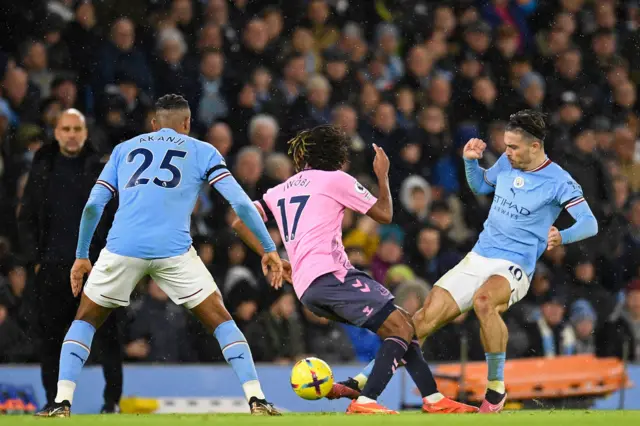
[433, 401]
[439, 309]
[74, 353]
[396, 332]
[492, 299]
[235, 349]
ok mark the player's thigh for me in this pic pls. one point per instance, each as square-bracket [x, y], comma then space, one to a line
[461, 283]
[439, 309]
[356, 299]
[113, 278]
[505, 285]
[185, 279]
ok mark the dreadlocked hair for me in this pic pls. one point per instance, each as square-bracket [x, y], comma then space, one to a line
[324, 147]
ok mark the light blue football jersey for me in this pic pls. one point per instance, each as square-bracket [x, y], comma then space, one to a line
[525, 206]
[158, 177]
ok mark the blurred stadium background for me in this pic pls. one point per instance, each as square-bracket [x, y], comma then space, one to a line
[417, 77]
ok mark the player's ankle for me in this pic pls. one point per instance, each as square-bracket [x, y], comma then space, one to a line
[496, 386]
[252, 389]
[493, 397]
[66, 388]
[434, 398]
[364, 400]
[361, 380]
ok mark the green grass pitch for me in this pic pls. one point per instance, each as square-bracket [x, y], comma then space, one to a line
[521, 418]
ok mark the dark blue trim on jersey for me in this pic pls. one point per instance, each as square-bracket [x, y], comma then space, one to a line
[108, 186]
[214, 169]
[267, 210]
[573, 202]
[586, 224]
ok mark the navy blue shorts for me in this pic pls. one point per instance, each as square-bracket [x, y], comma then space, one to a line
[359, 300]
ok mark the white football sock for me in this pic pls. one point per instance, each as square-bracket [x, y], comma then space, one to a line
[434, 398]
[65, 391]
[252, 388]
[364, 400]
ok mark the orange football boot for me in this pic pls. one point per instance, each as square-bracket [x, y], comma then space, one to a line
[368, 408]
[447, 406]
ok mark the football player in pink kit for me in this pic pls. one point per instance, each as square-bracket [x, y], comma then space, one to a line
[308, 209]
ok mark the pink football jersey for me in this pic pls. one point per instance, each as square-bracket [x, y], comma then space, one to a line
[309, 208]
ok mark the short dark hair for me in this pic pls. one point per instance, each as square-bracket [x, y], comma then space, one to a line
[530, 123]
[172, 102]
[324, 147]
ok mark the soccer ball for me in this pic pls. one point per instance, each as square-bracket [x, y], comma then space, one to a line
[311, 378]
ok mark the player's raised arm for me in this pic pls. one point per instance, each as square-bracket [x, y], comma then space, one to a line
[382, 210]
[477, 177]
[586, 226]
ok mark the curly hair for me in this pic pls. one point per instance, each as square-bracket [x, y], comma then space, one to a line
[171, 102]
[324, 147]
[529, 122]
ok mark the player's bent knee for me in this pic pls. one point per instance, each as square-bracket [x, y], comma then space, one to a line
[439, 308]
[483, 305]
[398, 325]
[89, 311]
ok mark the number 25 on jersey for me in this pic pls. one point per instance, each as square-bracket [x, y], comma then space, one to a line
[176, 174]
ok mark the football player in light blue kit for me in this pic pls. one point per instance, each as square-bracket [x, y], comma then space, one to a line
[157, 177]
[530, 191]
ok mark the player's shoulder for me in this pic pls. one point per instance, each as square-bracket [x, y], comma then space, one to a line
[555, 172]
[331, 175]
[503, 162]
[201, 147]
[124, 147]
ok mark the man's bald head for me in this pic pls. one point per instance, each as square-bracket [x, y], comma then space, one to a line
[71, 132]
[172, 112]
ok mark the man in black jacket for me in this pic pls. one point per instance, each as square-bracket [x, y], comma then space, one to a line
[59, 184]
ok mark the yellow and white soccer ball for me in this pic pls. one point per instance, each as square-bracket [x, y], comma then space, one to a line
[311, 378]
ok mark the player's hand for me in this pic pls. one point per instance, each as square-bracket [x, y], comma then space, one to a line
[474, 149]
[271, 262]
[287, 271]
[555, 239]
[380, 163]
[79, 268]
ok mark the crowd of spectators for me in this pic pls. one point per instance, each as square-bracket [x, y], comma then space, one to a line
[418, 78]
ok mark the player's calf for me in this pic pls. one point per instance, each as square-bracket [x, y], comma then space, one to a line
[396, 333]
[74, 353]
[433, 401]
[235, 349]
[491, 300]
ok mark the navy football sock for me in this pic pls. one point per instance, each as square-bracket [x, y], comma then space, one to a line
[387, 361]
[419, 370]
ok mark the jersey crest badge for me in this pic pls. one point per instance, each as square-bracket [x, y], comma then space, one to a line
[518, 182]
